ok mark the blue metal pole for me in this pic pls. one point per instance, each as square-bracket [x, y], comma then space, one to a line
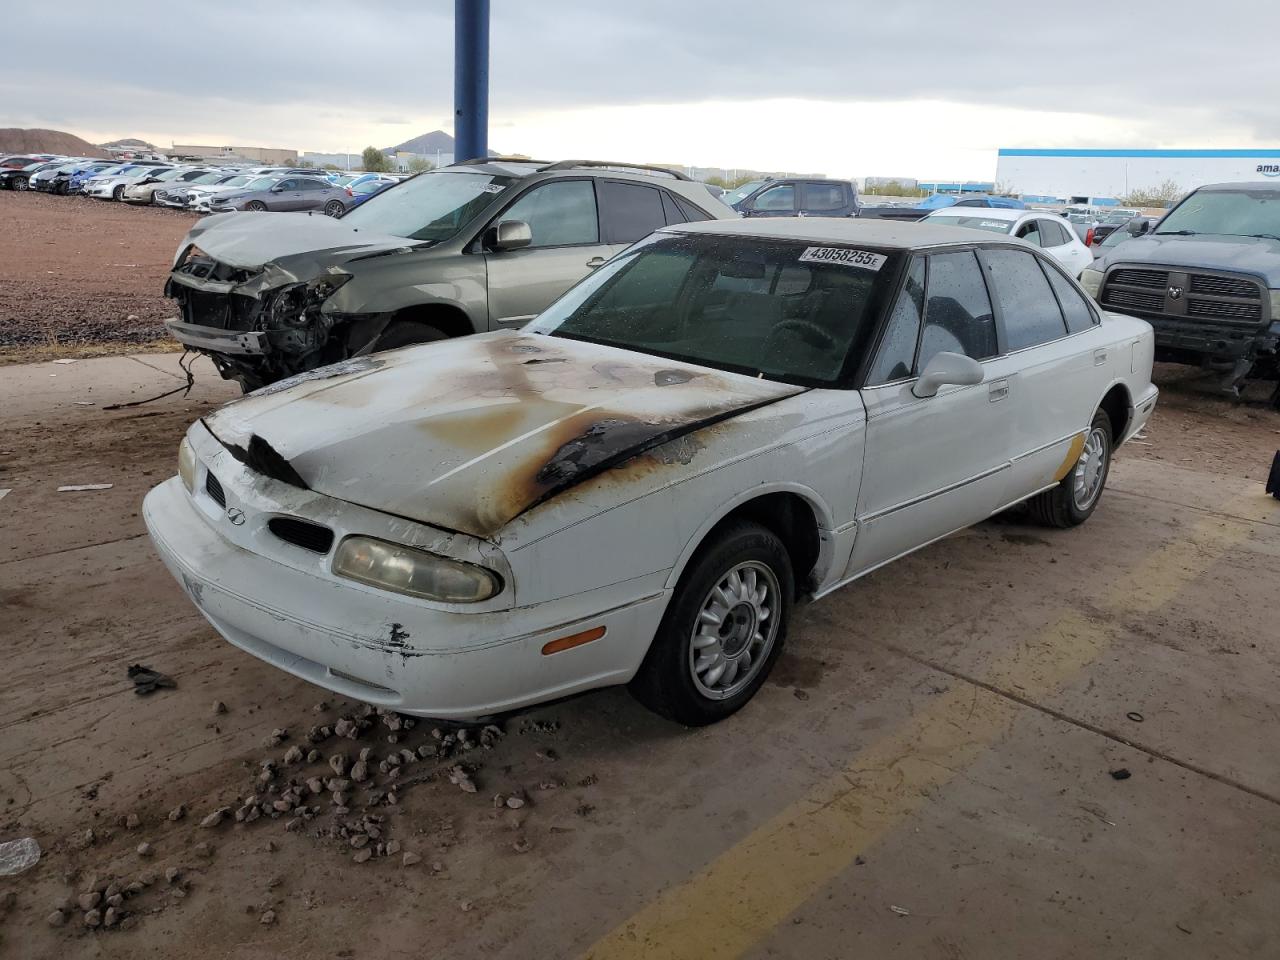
[470, 79]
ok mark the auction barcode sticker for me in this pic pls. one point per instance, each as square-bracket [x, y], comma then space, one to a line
[843, 256]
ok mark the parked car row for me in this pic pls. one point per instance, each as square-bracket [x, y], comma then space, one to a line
[206, 189]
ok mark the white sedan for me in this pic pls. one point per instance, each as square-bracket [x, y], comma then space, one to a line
[1052, 234]
[725, 419]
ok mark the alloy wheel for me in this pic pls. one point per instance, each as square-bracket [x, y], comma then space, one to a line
[735, 630]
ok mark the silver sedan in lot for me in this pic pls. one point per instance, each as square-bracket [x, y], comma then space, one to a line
[284, 194]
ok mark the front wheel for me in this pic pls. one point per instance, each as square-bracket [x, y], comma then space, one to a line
[723, 630]
[18, 183]
[405, 333]
[117, 193]
[257, 206]
[333, 208]
[1076, 496]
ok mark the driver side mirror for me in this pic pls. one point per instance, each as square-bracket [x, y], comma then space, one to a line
[1137, 228]
[947, 368]
[277, 189]
[510, 235]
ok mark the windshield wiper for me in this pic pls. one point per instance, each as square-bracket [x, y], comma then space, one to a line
[1263, 236]
[1176, 233]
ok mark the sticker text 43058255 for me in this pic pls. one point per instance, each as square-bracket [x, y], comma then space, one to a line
[843, 256]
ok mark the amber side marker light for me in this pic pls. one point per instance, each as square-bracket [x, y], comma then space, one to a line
[573, 640]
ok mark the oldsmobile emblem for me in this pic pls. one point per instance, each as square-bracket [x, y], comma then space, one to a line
[1175, 292]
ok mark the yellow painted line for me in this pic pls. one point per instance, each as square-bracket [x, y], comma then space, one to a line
[736, 900]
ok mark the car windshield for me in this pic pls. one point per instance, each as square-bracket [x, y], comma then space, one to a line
[1241, 212]
[169, 174]
[738, 193]
[433, 206]
[262, 183]
[208, 178]
[780, 310]
[369, 186]
[972, 221]
[237, 181]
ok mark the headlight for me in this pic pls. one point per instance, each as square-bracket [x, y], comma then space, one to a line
[290, 304]
[404, 569]
[1091, 280]
[187, 465]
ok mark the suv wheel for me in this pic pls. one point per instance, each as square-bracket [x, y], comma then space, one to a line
[723, 630]
[405, 333]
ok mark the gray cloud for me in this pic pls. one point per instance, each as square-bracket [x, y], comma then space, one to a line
[327, 64]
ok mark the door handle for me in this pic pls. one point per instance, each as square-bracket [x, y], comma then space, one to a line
[998, 390]
[595, 262]
[1099, 357]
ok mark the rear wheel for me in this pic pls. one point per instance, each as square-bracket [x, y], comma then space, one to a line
[1076, 496]
[333, 208]
[723, 630]
[257, 206]
[405, 333]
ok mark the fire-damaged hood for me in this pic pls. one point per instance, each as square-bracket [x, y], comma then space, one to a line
[467, 434]
[301, 243]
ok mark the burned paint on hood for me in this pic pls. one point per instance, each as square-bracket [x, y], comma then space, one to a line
[300, 244]
[468, 434]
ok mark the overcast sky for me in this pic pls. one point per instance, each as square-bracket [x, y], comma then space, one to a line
[919, 88]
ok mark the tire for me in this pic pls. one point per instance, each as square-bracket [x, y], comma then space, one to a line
[118, 193]
[257, 206]
[669, 681]
[1074, 499]
[19, 184]
[405, 333]
[333, 208]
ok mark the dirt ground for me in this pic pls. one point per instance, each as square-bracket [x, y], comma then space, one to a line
[82, 277]
[933, 770]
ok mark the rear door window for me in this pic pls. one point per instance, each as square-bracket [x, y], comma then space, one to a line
[1055, 234]
[629, 211]
[1074, 306]
[560, 214]
[958, 316]
[819, 196]
[1028, 308]
[680, 211]
[1030, 232]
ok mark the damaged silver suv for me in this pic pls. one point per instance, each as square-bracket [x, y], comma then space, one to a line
[476, 246]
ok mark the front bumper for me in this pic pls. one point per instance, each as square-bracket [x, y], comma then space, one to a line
[236, 343]
[373, 645]
[1207, 339]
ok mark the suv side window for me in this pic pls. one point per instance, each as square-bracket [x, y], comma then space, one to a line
[1028, 308]
[1055, 235]
[288, 184]
[957, 315]
[1074, 306]
[560, 213]
[629, 211]
[897, 354]
[781, 197]
[823, 196]
[678, 210]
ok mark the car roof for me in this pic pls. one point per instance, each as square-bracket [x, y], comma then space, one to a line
[987, 213]
[898, 234]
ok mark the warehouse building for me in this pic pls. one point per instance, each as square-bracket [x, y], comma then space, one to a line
[1083, 176]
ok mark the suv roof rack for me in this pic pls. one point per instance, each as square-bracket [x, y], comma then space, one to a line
[572, 164]
[476, 161]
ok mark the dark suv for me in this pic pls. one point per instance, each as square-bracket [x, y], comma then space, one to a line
[480, 245]
[795, 197]
[1207, 278]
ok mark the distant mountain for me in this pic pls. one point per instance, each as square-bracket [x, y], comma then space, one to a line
[130, 143]
[17, 140]
[426, 144]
